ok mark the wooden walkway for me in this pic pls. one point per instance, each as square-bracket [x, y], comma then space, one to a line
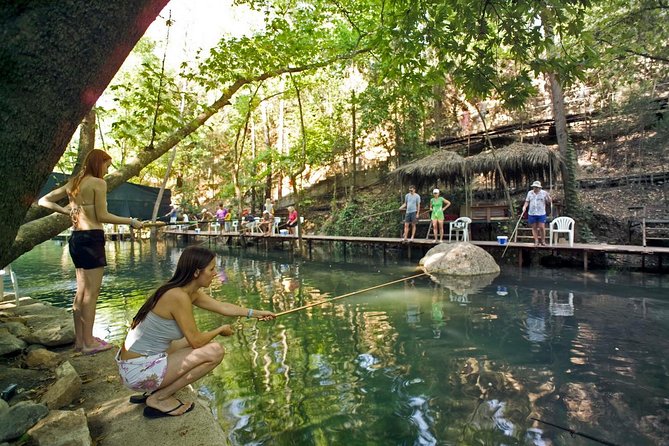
[584, 249]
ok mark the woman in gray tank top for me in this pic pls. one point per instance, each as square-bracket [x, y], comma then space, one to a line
[164, 351]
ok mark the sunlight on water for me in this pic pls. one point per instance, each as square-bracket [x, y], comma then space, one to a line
[414, 363]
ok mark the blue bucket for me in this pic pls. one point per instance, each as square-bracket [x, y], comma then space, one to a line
[502, 239]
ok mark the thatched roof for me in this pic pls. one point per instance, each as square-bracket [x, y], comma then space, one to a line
[444, 165]
[521, 164]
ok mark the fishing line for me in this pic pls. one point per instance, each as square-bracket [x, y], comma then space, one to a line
[573, 432]
[348, 294]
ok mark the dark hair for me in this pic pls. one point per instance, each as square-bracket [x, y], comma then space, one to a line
[192, 259]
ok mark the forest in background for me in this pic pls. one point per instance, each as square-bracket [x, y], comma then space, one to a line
[327, 88]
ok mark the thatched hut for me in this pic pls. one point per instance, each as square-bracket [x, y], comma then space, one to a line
[446, 166]
[521, 164]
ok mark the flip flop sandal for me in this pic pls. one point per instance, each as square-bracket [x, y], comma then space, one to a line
[104, 346]
[139, 399]
[153, 413]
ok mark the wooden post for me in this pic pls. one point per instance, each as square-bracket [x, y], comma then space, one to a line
[585, 260]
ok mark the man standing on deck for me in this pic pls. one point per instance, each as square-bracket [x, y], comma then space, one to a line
[535, 204]
[412, 206]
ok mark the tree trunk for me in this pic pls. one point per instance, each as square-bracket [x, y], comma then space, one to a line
[57, 59]
[268, 146]
[354, 155]
[568, 166]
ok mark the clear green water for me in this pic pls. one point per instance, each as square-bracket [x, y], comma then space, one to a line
[414, 363]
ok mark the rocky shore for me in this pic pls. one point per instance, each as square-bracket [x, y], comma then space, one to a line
[55, 396]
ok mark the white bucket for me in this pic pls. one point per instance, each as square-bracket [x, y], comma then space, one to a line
[283, 231]
[502, 239]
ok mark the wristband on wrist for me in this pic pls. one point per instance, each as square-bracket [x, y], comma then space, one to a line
[249, 314]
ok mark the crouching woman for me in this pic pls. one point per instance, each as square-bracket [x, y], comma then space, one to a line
[164, 351]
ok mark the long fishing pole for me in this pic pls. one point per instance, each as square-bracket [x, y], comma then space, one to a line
[512, 234]
[160, 224]
[348, 294]
[573, 432]
[379, 213]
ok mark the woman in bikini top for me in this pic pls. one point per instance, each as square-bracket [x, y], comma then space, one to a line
[87, 194]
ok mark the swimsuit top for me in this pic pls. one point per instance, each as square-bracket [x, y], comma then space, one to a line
[153, 335]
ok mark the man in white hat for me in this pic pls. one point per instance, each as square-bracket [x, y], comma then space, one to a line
[537, 200]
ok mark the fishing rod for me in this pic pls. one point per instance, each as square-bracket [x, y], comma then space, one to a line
[379, 213]
[573, 432]
[512, 234]
[160, 224]
[348, 294]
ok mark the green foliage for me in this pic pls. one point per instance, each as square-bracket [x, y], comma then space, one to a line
[137, 94]
[629, 35]
[378, 217]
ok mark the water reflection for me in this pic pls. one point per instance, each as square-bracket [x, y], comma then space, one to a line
[423, 362]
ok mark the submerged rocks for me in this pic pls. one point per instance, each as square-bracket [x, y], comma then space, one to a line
[459, 259]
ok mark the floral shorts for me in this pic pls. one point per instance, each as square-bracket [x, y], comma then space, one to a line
[145, 373]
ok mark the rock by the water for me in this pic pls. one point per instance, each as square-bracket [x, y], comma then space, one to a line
[10, 344]
[462, 285]
[20, 417]
[459, 259]
[16, 328]
[26, 379]
[65, 390]
[48, 325]
[62, 428]
[41, 358]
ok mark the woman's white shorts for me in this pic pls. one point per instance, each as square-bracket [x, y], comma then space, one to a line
[145, 373]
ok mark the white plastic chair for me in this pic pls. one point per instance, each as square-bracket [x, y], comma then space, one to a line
[255, 226]
[458, 227]
[562, 225]
[235, 225]
[275, 225]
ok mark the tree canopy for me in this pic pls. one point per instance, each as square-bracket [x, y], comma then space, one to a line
[322, 88]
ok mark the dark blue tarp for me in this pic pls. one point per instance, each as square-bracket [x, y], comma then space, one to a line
[127, 200]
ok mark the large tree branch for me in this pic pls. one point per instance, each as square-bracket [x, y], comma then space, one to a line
[42, 229]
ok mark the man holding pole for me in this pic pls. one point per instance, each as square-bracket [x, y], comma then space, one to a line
[535, 204]
[412, 206]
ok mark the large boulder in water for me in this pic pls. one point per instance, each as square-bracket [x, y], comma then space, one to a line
[462, 285]
[459, 259]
